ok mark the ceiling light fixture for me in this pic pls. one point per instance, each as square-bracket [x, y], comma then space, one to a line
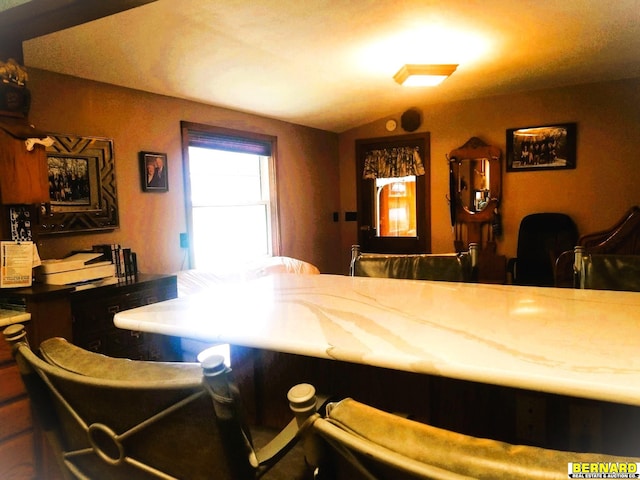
[423, 75]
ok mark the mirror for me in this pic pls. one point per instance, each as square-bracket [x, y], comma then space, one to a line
[475, 181]
[473, 177]
[82, 186]
[474, 194]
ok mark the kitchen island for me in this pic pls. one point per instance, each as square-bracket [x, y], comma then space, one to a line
[576, 343]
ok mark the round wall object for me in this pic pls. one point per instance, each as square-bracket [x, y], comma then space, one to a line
[391, 125]
[411, 120]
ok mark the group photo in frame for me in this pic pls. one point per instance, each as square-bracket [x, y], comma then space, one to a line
[548, 147]
[154, 172]
[82, 185]
[69, 181]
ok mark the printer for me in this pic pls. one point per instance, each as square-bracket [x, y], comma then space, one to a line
[76, 268]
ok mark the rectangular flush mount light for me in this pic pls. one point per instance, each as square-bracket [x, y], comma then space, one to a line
[423, 75]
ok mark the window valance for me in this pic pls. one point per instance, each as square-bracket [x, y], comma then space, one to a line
[393, 163]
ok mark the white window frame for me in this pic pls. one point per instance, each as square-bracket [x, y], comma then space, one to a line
[196, 135]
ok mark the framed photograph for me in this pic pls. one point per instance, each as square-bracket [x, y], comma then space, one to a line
[82, 186]
[549, 147]
[153, 172]
[69, 182]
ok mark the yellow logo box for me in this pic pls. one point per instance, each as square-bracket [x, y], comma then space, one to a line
[604, 470]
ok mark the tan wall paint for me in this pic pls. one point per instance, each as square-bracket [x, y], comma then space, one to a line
[150, 223]
[310, 162]
[596, 194]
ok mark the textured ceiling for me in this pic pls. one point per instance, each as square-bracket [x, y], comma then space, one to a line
[330, 64]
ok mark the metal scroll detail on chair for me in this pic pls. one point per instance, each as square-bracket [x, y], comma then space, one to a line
[117, 418]
[394, 162]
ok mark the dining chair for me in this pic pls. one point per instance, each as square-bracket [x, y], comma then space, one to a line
[356, 441]
[451, 267]
[623, 238]
[610, 272]
[113, 418]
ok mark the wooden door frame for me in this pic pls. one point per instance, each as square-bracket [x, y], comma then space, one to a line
[419, 244]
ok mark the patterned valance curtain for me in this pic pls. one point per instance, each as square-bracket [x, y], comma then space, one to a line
[393, 163]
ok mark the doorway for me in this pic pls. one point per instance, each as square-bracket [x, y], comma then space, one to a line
[393, 194]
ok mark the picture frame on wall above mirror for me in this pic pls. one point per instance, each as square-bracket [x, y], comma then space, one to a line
[548, 147]
[154, 172]
[82, 186]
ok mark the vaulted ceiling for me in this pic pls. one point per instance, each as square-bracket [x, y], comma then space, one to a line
[330, 64]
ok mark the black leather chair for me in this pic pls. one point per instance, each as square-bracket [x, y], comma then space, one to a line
[452, 267]
[113, 418]
[542, 237]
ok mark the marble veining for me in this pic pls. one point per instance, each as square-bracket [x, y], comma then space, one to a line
[575, 342]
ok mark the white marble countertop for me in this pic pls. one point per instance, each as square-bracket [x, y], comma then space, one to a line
[9, 317]
[582, 343]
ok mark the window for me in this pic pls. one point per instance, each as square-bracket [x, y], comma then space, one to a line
[230, 196]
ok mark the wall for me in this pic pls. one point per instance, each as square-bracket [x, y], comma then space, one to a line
[596, 194]
[150, 223]
[601, 188]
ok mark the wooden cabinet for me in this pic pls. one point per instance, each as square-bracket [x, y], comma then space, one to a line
[93, 310]
[24, 178]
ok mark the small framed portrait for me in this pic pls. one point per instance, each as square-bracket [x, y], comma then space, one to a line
[154, 172]
[550, 147]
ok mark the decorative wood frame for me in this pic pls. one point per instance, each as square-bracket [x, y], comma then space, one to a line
[151, 182]
[100, 212]
[476, 221]
[365, 188]
[548, 147]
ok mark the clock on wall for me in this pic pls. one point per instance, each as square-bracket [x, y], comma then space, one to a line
[391, 125]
